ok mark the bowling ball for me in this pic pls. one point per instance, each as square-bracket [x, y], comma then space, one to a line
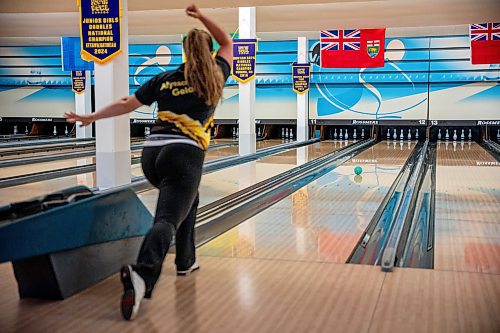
[358, 170]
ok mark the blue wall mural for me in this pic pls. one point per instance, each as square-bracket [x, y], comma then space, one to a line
[423, 78]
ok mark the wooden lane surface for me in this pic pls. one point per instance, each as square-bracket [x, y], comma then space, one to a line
[216, 153]
[322, 221]
[255, 295]
[467, 227]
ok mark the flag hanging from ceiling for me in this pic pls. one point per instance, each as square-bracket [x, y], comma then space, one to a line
[485, 43]
[354, 48]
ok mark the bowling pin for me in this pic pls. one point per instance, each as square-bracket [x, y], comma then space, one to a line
[362, 133]
[55, 131]
[409, 134]
[447, 136]
[286, 132]
[388, 134]
[416, 134]
[335, 134]
[439, 134]
[346, 136]
[401, 136]
[291, 133]
[470, 135]
[234, 132]
[462, 136]
[26, 130]
[455, 135]
[237, 132]
[258, 131]
[15, 129]
[395, 135]
[354, 136]
[66, 130]
[341, 136]
[498, 135]
[282, 132]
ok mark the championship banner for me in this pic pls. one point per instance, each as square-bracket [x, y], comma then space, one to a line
[78, 81]
[100, 29]
[244, 54]
[301, 74]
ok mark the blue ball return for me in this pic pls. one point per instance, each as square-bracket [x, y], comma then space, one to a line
[64, 242]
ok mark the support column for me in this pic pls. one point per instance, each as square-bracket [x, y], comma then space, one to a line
[302, 99]
[83, 105]
[113, 134]
[247, 137]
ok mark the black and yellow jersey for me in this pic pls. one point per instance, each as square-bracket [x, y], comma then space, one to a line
[180, 110]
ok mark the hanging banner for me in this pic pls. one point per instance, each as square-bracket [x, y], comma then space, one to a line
[78, 81]
[100, 29]
[301, 75]
[244, 53]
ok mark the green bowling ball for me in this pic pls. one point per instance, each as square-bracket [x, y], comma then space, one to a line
[358, 170]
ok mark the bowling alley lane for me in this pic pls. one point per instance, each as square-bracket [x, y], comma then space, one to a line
[322, 221]
[224, 182]
[467, 227]
[26, 191]
[216, 153]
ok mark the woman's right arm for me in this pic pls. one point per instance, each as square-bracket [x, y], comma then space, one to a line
[222, 38]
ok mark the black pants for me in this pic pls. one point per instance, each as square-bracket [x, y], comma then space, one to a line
[175, 169]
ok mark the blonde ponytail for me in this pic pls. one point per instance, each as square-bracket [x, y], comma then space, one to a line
[201, 71]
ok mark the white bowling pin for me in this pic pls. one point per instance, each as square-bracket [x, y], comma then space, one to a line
[286, 133]
[439, 134]
[291, 133]
[66, 130]
[470, 135]
[447, 135]
[362, 133]
[237, 132]
[15, 129]
[455, 135]
[409, 134]
[498, 135]
[335, 134]
[388, 134]
[282, 132]
[341, 136]
[55, 131]
[26, 130]
[346, 136]
[462, 135]
[354, 136]
[416, 134]
[395, 135]
[401, 135]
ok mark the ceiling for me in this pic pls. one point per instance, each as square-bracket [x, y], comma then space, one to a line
[25, 19]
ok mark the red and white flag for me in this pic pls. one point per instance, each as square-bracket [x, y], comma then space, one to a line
[354, 48]
[485, 43]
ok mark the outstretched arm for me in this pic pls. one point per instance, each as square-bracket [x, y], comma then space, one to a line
[122, 106]
[222, 38]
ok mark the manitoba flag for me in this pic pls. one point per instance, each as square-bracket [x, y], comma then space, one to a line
[355, 48]
[485, 43]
